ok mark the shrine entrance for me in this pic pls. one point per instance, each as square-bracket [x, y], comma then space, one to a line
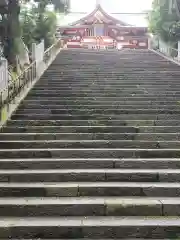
[99, 30]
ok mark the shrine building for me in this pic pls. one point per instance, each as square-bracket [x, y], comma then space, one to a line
[102, 30]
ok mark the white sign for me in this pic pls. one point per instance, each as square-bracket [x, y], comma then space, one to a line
[142, 44]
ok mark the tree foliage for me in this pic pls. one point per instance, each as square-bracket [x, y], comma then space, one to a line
[164, 21]
[38, 23]
[32, 25]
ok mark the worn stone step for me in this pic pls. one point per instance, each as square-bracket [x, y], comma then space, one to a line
[77, 136]
[83, 111]
[100, 94]
[125, 77]
[96, 86]
[117, 79]
[60, 98]
[88, 144]
[92, 206]
[98, 104]
[161, 138]
[94, 116]
[90, 227]
[90, 239]
[89, 153]
[90, 163]
[34, 102]
[98, 100]
[74, 189]
[41, 108]
[118, 74]
[84, 136]
[92, 129]
[73, 129]
[104, 91]
[145, 163]
[106, 122]
[120, 84]
[60, 163]
[91, 175]
[101, 122]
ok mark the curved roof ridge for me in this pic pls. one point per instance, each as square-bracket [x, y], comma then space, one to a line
[99, 8]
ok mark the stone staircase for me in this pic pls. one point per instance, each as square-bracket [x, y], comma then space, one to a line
[94, 150]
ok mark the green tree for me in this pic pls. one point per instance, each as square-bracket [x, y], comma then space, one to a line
[46, 28]
[164, 21]
[18, 27]
[28, 26]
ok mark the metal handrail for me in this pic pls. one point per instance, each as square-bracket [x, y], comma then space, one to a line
[26, 77]
[15, 87]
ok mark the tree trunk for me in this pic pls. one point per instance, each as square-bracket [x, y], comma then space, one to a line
[13, 32]
[177, 5]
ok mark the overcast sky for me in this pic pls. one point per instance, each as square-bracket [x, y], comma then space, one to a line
[111, 5]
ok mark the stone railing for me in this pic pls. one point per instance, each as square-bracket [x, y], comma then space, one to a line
[3, 74]
[165, 49]
[18, 88]
[38, 52]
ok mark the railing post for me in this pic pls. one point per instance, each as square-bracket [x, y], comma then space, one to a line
[178, 51]
[33, 52]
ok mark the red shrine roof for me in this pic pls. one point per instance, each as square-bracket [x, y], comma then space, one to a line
[100, 16]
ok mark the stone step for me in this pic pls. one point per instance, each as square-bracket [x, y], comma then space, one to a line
[125, 77]
[90, 227]
[116, 72]
[36, 136]
[98, 86]
[119, 73]
[91, 129]
[89, 153]
[92, 206]
[79, 129]
[86, 144]
[91, 175]
[106, 98]
[104, 91]
[114, 107]
[90, 163]
[155, 116]
[51, 163]
[85, 239]
[116, 86]
[100, 94]
[91, 111]
[106, 122]
[77, 189]
[79, 136]
[45, 82]
[97, 103]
